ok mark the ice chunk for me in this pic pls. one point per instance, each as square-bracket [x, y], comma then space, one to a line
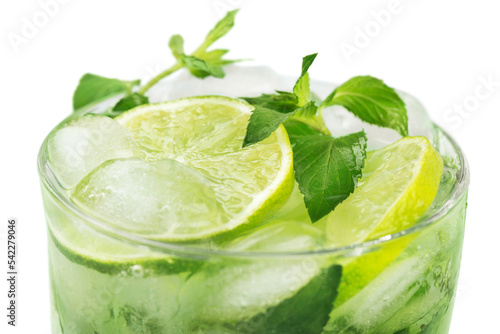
[239, 81]
[384, 296]
[156, 199]
[79, 145]
[230, 292]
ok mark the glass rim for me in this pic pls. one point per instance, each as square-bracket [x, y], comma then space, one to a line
[101, 226]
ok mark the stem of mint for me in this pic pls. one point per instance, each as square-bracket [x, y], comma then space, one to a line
[159, 77]
[201, 63]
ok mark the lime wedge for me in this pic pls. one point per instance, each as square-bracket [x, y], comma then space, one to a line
[398, 185]
[191, 179]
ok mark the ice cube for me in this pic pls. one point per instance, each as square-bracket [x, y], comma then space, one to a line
[340, 122]
[235, 290]
[80, 144]
[379, 301]
[156, 199]
[239, 81]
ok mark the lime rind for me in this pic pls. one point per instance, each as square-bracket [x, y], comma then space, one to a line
[143, 266]
[399, 184]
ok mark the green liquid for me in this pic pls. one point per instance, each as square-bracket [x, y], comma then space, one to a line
[411, 287]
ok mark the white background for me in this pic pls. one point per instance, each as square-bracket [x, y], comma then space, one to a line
[439, 51]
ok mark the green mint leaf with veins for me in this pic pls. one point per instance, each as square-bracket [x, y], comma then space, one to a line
[327, 169]
[372, 101]
[262, 123]
[301, 88]
[307, 311]
[130, 101]
[297, 129]
[94, 88]
[270, 112]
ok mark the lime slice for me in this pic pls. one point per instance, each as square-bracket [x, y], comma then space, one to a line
[192, 180]
[398, 185]
[81, 243]
[364, 269]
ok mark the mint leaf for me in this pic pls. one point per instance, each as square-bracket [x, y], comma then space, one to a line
[94, 88]
[207, 64]
[307, 62]
[274, 109]
[301, 88]
[221, 28]
[200, 68]
[130, 101]
[305, 312]
[309, 110]
[262, 123]
[214, 57]
[327, 169]
[176, 44]
[372, 101]
[283, 101]
[265, 120]
[296, 129]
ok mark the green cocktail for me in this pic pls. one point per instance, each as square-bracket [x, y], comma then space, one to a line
[282, 274]
[262, 214]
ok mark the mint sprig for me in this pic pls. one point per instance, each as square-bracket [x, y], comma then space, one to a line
[327, 169]
[201, 63]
